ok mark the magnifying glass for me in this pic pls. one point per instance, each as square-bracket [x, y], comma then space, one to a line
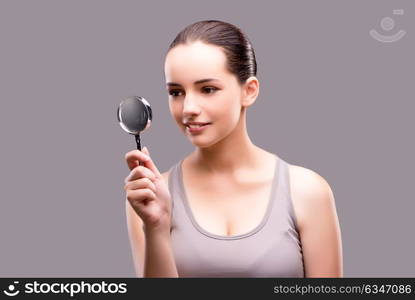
[134, 115]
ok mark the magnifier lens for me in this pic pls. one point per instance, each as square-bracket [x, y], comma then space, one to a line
[134, 115]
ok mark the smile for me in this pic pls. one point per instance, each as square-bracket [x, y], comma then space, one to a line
[193, 129]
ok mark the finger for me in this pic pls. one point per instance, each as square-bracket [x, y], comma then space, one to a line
[140, 172]
[145, 150]
[134, 157]
[138, 196]
[151, 165]
[141, 183]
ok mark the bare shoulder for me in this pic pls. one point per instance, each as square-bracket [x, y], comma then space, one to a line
[167, 172]
[166, 175]
[310, 192]
[306, 181]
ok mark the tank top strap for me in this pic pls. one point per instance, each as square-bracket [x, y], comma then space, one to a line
[172, 181]
[285, 193]
[175, 192]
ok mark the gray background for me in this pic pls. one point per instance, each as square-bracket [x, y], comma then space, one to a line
[332, 99]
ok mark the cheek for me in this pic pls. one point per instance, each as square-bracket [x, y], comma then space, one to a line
[233, 117]
[176, 112]
[171, 107]
[229, 115]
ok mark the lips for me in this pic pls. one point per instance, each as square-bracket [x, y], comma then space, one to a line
[196, 128]
[195, 124]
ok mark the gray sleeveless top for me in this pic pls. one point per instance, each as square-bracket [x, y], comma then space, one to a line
[271, 249]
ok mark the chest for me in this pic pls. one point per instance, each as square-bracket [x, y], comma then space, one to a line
[227, 207]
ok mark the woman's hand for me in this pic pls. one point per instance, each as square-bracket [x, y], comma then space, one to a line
[147, 191]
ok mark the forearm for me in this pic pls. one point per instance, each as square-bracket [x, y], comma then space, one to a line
[159, 259]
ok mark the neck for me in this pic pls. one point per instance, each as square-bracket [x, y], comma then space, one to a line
[231, 153]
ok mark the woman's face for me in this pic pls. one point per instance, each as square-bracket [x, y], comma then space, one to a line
[201, 89]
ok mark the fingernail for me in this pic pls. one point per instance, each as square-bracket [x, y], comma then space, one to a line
[146, 157]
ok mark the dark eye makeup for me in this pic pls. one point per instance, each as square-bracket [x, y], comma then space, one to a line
[205, 89]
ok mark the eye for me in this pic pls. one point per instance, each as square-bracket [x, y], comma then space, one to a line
[209, 89]
[173, 93]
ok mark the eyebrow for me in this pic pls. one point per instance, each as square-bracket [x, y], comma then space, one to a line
[196, 82]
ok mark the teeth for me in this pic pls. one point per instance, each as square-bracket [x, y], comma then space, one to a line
[195, 126]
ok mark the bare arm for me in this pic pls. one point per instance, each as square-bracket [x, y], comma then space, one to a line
[318, 224]
[159, 259]
[137, 238]
[151, 250]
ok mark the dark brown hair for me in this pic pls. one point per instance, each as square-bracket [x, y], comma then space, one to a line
[236, 45]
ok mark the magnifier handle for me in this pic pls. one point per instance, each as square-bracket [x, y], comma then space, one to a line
[137, 139]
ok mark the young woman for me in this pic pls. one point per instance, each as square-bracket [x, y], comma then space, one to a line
[230, 208]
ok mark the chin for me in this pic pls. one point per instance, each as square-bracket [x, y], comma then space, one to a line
[199, 144]
[202, 143]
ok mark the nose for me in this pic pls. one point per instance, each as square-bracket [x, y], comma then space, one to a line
[190, 106]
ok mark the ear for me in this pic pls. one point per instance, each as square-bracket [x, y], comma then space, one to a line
[250, 91]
